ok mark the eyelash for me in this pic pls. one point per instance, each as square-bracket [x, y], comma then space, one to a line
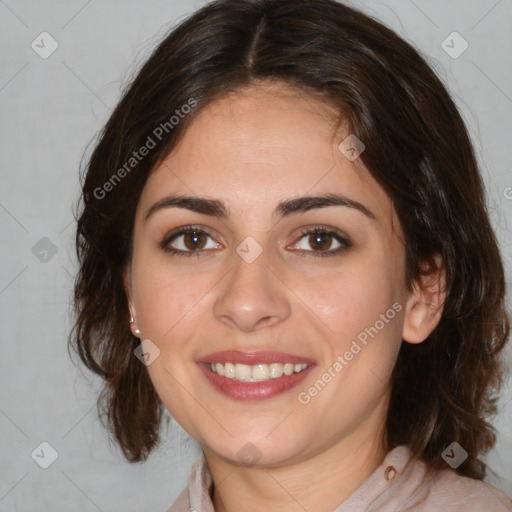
[345, 243]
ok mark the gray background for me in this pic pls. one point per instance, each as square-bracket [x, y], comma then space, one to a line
[50, 109]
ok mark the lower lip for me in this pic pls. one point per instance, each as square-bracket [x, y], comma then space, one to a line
[240, 390]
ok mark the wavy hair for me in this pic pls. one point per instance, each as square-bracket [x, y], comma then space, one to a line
[417, 148]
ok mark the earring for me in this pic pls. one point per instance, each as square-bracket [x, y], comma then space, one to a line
[137, 331]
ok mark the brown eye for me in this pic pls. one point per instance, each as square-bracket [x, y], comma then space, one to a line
[194, 240]
[320, 241]
[189, 241]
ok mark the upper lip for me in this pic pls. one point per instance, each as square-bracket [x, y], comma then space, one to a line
[252, 357]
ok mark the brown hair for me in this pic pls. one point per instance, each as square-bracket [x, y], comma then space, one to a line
[417, 149]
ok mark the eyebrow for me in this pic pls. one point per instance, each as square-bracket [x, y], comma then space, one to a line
[219, 209]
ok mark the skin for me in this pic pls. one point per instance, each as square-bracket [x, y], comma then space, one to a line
[252, 150]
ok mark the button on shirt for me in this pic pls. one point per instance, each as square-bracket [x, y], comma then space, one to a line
[394, 486]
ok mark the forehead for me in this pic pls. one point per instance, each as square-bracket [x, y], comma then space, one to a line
[265, 143]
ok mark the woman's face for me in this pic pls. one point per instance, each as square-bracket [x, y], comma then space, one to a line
[259, 279]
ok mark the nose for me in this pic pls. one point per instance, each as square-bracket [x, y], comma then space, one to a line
[251, 296]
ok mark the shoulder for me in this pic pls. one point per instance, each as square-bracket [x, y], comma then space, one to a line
[447, 490]
[467, 494]
[418, 488]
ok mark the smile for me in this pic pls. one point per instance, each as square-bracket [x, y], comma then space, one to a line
[258, 372]
[254, 374]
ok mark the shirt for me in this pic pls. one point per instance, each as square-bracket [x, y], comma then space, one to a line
[394, 486]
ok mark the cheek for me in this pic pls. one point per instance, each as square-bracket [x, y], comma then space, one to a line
[351, 300]
[165, 298]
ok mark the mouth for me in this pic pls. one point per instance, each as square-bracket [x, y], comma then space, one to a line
[254, 375]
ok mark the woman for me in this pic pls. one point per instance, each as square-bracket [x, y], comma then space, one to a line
[284, 242]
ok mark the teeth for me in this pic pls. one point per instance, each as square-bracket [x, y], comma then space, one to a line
[276, 370]
[260, 372]
[229, 370]
[220, 369]
[288, 369]
[242, 372]
[256, 372]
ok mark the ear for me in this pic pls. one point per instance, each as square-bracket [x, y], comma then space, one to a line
[424, 306]
[129, 298]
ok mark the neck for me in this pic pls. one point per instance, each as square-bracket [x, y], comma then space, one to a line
[320, 482]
